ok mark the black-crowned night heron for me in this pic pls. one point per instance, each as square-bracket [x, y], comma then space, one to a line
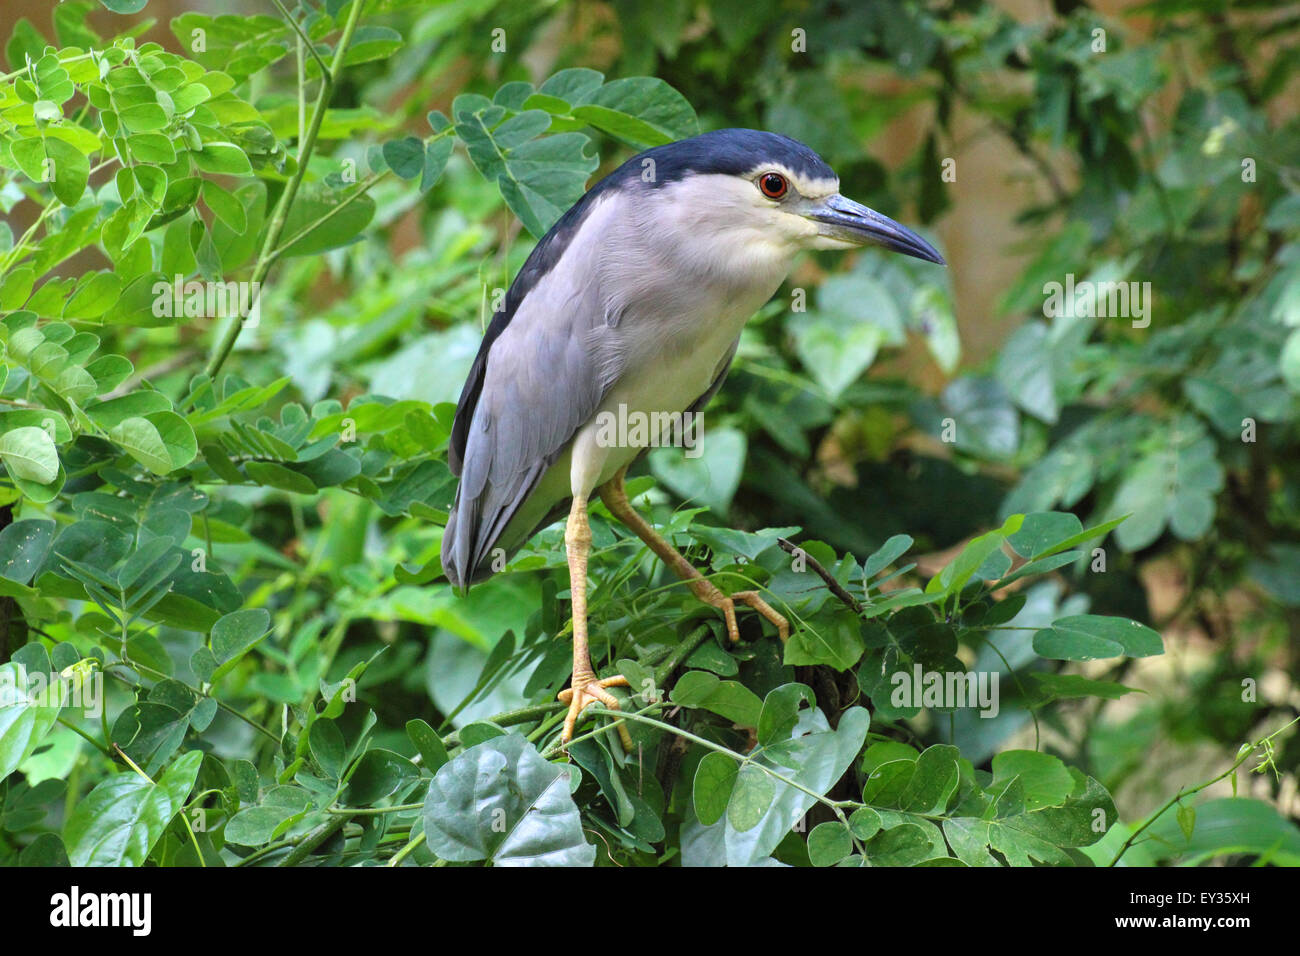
[633, 303]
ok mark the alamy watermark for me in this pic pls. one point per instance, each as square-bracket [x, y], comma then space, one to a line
[75, 908]
[1098, 300]
[73, 688]
[197, 299]
[946, 690]
[629, 428]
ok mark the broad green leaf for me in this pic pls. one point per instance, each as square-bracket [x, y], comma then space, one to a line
[1045, 779]
[71, 169]
[751, 797]
[710, 475]
[1073, 685]
[152, 730]
[342, 227]
[24, 546]
[121, 819]
[27, 712]
[430, 745]
[500, 801]
[815, 761]
[641, 110]
[376, 775]
[29, 454]
[828, 843]
[141, 440]
[1087, 637]
[715, 777]
[235, 635]
[888, 553]
[729, 699]
[835, 642]
[224, 158]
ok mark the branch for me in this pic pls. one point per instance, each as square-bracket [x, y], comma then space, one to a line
[266, 257]
[837, 589]
[1242, 756]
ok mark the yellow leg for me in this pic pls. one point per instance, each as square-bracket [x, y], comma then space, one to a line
[585, 688]
[615, 497]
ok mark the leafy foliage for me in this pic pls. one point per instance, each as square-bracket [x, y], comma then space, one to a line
[244, 543]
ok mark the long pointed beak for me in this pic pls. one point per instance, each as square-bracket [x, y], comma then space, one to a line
[850, 221]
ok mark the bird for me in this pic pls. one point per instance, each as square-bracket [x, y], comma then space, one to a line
[635, 300]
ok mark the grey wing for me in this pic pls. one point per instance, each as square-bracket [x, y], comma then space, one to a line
[544, 377]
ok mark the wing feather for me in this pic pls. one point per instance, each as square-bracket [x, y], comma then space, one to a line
[540, 379]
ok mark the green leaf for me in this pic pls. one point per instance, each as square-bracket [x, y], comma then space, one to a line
[121, 819]
[1045, 778]
[141, 440]
[1043, 532]
[405, 157]
[500, 801]
[25, 718]
[1072, 685]
[177, 437]
[96, 293]
[341, 228]
[538, 178]
[29, 454]
[258, 825]
[234, 635]
[71, 170]
[889, 552]
[151, 730]
[1087, 637]
[372, 43]
[378, 774]
[751, 797]
[711, 476]
[273, 475]
[729, 699]
[836, 642]
[151, 148]
[1175, 484]
[224, 158]
[226, 206]
[124, 7]
[430, 745]
[904, 845]
[828, 843]
[640, 110]
[781, 708]
[109, 414]
[815, 761]
[1225, 827]
[436, 155]
[715, 778]
[24, 546]
[953, 578]
[838, 340]
[933, 782]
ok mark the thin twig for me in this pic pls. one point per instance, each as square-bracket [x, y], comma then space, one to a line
[836, 588]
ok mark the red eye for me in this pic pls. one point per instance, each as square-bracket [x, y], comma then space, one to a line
[773, 185]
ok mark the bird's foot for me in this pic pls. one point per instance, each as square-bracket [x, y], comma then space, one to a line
[709, 594]
[586, 690]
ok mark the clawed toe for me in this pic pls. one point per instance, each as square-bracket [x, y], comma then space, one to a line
[586, 692]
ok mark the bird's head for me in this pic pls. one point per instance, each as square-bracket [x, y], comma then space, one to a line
[761, 195]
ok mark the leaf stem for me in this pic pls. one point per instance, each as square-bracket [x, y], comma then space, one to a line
[1242, 756]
